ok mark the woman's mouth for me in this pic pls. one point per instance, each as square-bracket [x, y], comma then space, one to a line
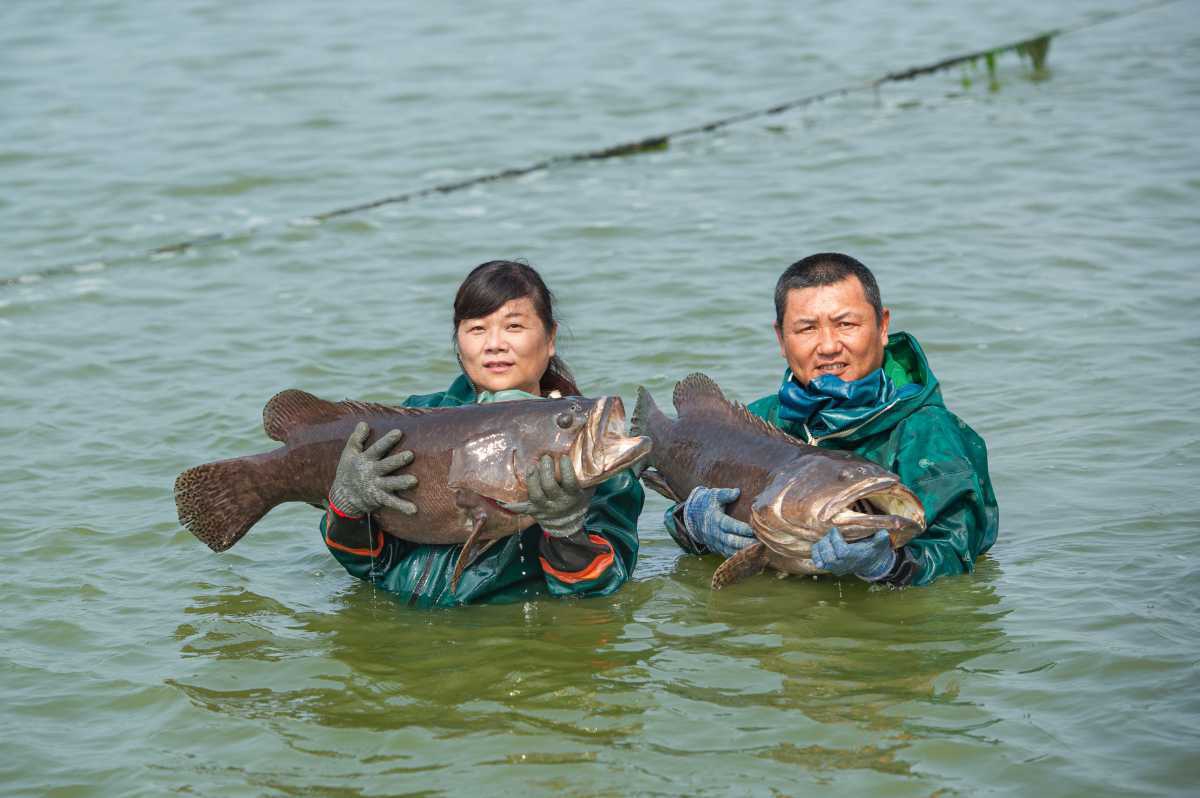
[497, 366]
[832, 368]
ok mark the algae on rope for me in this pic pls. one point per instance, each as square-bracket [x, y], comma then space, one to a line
[1035, 49]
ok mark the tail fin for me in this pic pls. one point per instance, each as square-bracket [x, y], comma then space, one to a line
[645, 416]
[645, 413]
[219, 502]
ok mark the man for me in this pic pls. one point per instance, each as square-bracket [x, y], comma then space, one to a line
[851, 386]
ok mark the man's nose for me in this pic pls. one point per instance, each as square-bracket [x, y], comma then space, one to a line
[827, 342]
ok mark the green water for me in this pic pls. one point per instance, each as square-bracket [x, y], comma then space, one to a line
[1039, 240]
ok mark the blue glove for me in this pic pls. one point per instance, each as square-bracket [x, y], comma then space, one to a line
[708, 525]
[868, 559]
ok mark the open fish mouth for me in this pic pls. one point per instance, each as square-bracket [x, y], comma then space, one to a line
[604, 449]
[882, 503]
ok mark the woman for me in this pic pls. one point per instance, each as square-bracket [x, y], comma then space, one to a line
[504, 333]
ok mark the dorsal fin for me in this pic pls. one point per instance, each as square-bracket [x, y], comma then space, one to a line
[743, 416]
[698, 393]
[291, 408]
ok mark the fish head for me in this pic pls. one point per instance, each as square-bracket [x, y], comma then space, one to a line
[591, 432]
[834, 489]
[602, 448]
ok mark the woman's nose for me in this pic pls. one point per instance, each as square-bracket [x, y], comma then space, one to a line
[495, 341]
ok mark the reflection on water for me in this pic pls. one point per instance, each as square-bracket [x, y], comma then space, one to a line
[825, 675]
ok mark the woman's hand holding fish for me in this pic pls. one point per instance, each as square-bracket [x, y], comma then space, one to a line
[707, 522]
[869, 559]
[557, 506]
[362, 484]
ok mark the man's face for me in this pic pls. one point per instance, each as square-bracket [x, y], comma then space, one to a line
[831, 329]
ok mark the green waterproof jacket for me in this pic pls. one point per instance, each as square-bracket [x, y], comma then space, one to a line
[933, 452]
[593, 562]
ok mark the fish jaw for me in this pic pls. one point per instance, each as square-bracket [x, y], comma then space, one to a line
[789, 516]
[892, 507]
[602, 447]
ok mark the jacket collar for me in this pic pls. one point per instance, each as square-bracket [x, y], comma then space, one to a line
[462, 390]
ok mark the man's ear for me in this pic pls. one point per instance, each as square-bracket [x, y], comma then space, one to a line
[884, 320]
[779, 339]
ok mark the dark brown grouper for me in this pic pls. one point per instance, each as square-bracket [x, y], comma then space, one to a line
[467, 460]
[792, 493]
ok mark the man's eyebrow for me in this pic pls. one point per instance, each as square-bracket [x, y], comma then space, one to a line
[844, 314]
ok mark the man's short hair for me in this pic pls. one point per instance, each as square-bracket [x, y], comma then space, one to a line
[825, 268]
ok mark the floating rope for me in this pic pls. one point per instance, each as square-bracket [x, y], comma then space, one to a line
[1033, 48]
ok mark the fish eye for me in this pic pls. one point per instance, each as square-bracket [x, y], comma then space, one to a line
[576, 407]
[565, 420]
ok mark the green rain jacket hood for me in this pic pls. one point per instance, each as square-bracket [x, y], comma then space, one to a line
[933, 452]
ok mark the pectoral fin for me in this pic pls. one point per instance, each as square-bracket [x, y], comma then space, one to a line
[468, 554]
[653, 479]
[747, 562]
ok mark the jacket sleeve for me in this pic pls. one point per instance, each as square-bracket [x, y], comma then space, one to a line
[600, 558]
[945, 464]
[673, 521]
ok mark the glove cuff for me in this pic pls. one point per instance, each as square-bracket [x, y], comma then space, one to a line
[564, 526]
[344, 513]
[880, 569]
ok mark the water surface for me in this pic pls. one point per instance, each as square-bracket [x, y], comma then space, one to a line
[1039, 240]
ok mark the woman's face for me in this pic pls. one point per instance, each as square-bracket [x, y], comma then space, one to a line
[507, 349]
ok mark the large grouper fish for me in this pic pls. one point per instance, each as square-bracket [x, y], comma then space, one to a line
[469, 461]
[792, 494]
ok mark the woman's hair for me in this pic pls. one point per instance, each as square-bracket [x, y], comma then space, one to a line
[489, 286]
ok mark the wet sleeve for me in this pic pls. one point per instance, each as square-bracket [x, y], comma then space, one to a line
[597, 560]
[945, 464]
[417, 574]
[673, 521]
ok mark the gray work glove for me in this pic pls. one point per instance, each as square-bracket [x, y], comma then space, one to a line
[558, 507]
[362, 484]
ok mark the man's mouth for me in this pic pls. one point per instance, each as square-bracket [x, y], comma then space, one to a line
[832, 368]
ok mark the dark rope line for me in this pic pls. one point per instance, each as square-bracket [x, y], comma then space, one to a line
[1033, 47]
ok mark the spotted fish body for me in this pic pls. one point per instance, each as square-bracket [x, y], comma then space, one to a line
[468, 461]
[792, 494]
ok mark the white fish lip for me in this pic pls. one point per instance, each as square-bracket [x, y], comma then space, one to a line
[899, 511]
[603, 448]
